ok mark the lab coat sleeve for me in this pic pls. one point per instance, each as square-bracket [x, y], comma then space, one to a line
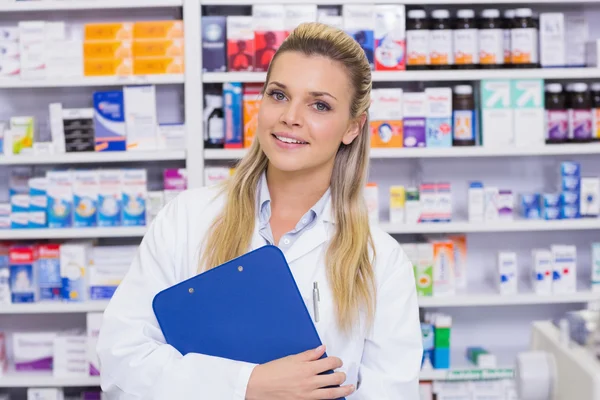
[134, 359]
[393, 349]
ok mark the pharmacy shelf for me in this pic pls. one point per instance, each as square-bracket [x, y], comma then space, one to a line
[494, 226]
[93, 158]
[164, 79]
[486, 299]
[54, 307]
[14, 379]
[51, 5]
[72, 233]
[424, 76]
[462, 370]
[452, 152]
[406, 2]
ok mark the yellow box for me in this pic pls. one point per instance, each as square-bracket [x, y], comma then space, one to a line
[158, 48]
[117, 49]
[158, 30]
[397, 203]
[158, 65]
[108, 67]
[109, 31]
[387, 134]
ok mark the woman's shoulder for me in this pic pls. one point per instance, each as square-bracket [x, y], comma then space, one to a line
[388, 252]
[193, 204]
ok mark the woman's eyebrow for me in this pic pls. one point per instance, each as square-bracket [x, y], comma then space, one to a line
[314, 94]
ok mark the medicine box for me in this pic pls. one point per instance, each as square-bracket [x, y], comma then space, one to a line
[110, 197]
[60, 199]
[428, 200]
[171, 29]
[74, 264]
[564, 261]
[19, 211]
[414, 110]
[443, 202]
[45, 394]
[459, 243]
[70, 356]
[590, 197]
[111, 49]
[269, 33]
[214, 52]
[5, 216]
[424, 269]
[140, 117]
[372, 200]
[23, 132]
[390, 38]
[49, 279]
[23, 270]
[296, 14]
[109, 121]
[85, 198]
[158, 48]
[359, 21]
[542, 271]
[174, 182]
[38, 203]
[232, 109]
[252, 94]
[413, 206]
[134, 191]
[33, 351]
[108, 67]
[439, 117]
[240, 43]
[476, 202]
[528, 105]
[531, 205]
[505, 204]
[397, 204]
[443, 268]
[158, 65]
[386, 118]
[108, 31]
[94, 322]
[507, 270]
[552, 40]
[496, 113]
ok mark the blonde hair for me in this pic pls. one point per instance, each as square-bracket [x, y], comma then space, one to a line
[348, 258]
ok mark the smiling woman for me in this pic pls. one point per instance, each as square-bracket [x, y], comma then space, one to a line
[300, 187]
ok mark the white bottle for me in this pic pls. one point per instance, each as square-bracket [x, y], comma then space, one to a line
[466, 43]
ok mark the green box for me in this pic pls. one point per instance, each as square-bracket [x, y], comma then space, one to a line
[495, 94]
[442, 338]
[527, 93]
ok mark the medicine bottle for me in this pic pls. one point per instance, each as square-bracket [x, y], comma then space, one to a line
[509, 16]
[580, 114]
[466, 40]
[491, 39]
[214, 136]
[557, 115]
[596, 111]
[463, 115]
[524, 40]
[417, 40]
[441, 55]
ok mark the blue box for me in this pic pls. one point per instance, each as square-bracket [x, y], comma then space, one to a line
[438, 132]
[109, 121]
[551, 213]
[366, 39]
[134, 197]
[570, 183]
[441, 358]
[232, 109]
[38, 203]
[214, 38]
[18, 180]
[569, 168]
[569, 212]
[85, 198]
[23, 274]
[60, 199]
[569, 198]
[531, 206]
[551, 200]
[49, 279]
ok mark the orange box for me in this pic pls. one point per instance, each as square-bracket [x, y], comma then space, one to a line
[108, 67]
[158, 48]
[158, 30]
[109, 31]
[251, 104]
[387, 133]
[117, 49]
[158, 65]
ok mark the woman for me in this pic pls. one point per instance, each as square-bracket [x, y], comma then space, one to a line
[300, 188]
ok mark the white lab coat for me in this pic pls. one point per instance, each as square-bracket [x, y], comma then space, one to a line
[137, 364]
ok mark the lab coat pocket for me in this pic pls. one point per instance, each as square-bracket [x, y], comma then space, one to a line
[351, 374]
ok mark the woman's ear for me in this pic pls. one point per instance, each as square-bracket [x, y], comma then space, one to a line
[355, 128]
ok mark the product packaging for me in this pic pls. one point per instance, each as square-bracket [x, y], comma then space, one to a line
[424, 275]
[596, 267]
[174, 182]
[528, 105]
[49, 278]
[496, 114]
[296, 14]
[372, 199]
[269, 33]
[415, 117]
[386, 118]
[232, 110]
[23, 133]
[110, 197]
[439, 117]
[390, 38]
[86, 186]
[397, 204]
[109, 121]
[134, 191]
[60, 199]
[590, 197]
[505, 204]
[214, 50]
[476, 202]
[508, 276]
[552, 40]
[167, 29]
[74, 264]
[140, 117]
[252, 94]
[359, 21]
[69, 356]
[443, 269]
[413, 205]
[491, 210]
[564, 261]
[33, 351]
[38, 203]
[94, 322]
[240, 43]
[542, 271]
[459, 244]
[23, 270]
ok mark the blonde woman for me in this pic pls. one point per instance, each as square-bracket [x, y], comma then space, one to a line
[300, 188]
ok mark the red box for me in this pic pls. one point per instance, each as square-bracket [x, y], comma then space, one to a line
[267, 43]
[240, 43]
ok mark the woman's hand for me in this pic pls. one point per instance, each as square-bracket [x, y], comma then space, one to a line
[297, 377]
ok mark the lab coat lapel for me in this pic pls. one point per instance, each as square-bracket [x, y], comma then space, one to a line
[313, 238]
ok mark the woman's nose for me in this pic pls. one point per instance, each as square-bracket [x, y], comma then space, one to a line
[292, 115]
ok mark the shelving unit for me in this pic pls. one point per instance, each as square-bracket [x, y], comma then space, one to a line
[486, 299]
[452, 152]
[94, 157]
[20, 379]
[497, 226]
[406, 2]
[52, 5]
[54, 308]
[93, 81]
[72, 233]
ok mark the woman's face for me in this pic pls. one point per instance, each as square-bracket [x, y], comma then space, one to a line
[305, 113]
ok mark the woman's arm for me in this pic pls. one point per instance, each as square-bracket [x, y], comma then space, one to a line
[135, 361]
[393, 349]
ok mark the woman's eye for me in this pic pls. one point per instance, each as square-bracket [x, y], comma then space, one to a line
[277, 96]
[321, 107]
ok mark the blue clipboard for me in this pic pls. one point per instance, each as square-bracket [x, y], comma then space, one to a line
[248, 309]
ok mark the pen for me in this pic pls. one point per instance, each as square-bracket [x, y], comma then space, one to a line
[316, 300]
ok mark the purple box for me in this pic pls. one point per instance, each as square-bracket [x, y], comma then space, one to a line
[214, 49]
[414, 132]
[175, 179]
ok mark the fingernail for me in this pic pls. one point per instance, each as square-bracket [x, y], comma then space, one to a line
[320, 348]
[351, 388]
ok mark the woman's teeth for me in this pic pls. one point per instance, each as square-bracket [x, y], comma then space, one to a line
[288, 140]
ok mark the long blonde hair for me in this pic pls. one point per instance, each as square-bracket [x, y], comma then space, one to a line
[350, 254]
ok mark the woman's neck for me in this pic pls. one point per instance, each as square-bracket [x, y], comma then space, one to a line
[296, 191]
